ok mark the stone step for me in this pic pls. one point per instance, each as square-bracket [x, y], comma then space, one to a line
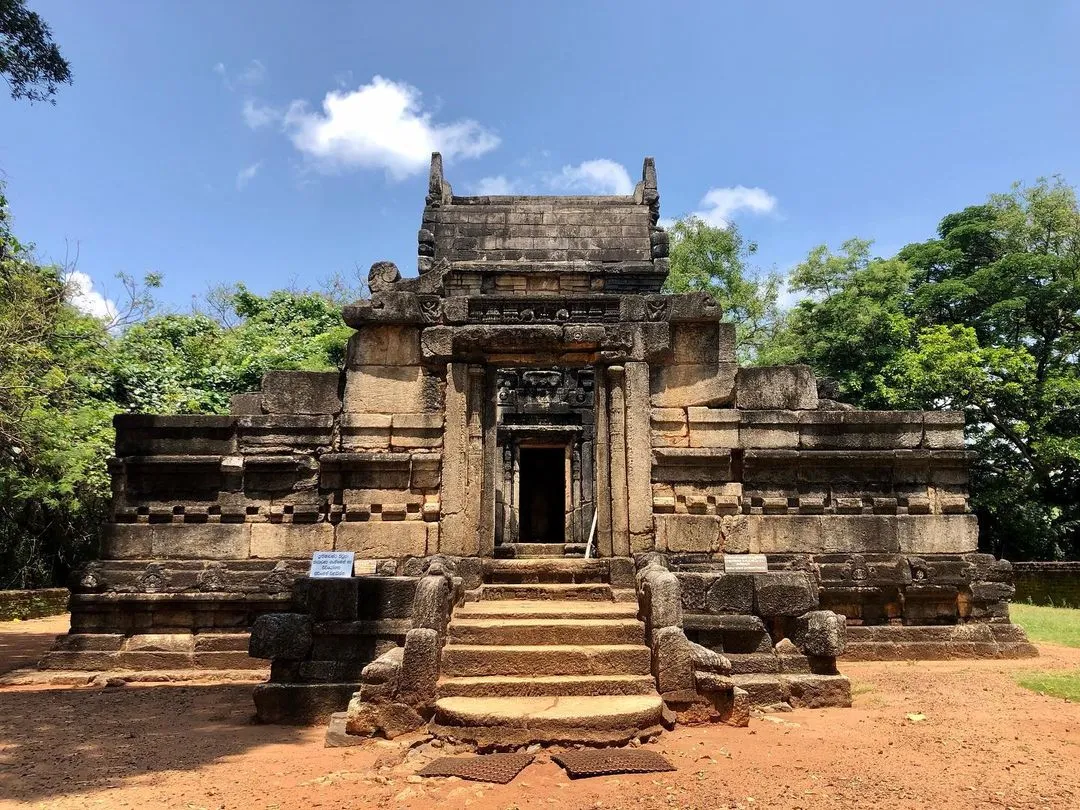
[595, 592]
[548, 609]
[529, 550]
[573, 549]
[547, 686]
[545, 659]
[514, 721]
[546, 631]
[545, 570]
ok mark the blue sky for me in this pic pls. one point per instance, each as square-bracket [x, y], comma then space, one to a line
[275, 143]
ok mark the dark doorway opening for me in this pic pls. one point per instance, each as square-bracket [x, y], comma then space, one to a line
[542, 490]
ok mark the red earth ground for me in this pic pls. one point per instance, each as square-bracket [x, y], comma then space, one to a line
[984, 742]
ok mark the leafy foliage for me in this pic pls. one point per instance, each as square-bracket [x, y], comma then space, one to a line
[714, 260]
[194, 364]
[29, 59]
[64, 375]
[984, 318]
[55, 430]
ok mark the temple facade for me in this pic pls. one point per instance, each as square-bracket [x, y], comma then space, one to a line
[529, 434]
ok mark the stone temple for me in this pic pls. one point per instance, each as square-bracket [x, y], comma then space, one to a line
[559, 486]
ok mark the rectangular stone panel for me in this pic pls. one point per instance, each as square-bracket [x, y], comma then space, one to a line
[306, 392]
[820, 534]
[776, 388]
[292, 540]
[713, 427]
[769, 429]
[284, 432]
[380, 538]
[943, 430]
[861, 430]
[122, 541]
[937, 534]
[687, 385]
[140, 434]
[209, 541]
[696, 343]
[416, 430]
[687, 533]
[392, 389]
[365, 431]
[668, 427]
[384, 345]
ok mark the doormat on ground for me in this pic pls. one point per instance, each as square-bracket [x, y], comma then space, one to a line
[605, 761]
[500, 768]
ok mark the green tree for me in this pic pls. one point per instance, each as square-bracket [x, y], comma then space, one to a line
[984, 318]
[850, 322]
[715, 260]
[194, 363]
[55, 421]
[29, 59]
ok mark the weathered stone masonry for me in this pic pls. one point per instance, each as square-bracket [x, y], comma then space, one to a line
[532, 381]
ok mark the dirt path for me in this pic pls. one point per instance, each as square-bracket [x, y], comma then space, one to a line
[23, 643]
[985, 742]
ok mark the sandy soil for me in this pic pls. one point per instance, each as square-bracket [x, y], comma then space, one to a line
[985, 742]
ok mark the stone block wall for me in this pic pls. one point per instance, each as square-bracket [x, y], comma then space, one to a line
[32, 604]
[1048, 583]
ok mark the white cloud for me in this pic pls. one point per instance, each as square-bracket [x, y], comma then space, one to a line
[720, 204]
[250, 75]
[257, 115]
[381, 125]
[494, 186]
[600, 176]
[246, 175]
[83, 296]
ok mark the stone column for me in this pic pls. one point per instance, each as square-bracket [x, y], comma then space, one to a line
[575, 493]
[602, 490]
[474, 472]
[620, 514]
[456, 536]
[489, 454]
[508, 491]
[638, 458]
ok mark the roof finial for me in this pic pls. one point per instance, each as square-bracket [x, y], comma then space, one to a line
[439, 190]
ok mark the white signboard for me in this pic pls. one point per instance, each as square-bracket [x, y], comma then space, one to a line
[746, 563]
[361, 567]
[331, 564]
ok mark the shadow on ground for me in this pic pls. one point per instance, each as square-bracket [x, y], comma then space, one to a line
[19, 650]
[59, 741]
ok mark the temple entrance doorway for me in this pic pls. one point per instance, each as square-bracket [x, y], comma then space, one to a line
[542, 491]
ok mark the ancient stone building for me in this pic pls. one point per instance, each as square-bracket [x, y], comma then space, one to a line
[531, 398]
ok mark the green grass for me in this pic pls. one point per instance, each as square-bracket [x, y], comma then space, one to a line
[1056, 684]
[1049, 625]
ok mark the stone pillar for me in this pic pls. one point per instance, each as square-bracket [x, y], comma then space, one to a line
[602, 467]
[515, 518]
[508, 535]
[576, 533]
[620, 514]
[489, 454]
[638, 458]
[457, 535]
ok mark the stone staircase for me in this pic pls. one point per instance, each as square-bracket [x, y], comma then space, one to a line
[550, 652]
[520, 551]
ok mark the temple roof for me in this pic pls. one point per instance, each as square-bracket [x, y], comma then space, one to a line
[542, 233]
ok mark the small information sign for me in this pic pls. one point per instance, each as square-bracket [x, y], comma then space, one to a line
[331, 564]
[746, 563]
[362, 567]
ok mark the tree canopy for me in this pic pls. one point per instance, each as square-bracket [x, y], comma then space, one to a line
[716, 260]
[29, 59]
[983, 318]
[64, 375]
